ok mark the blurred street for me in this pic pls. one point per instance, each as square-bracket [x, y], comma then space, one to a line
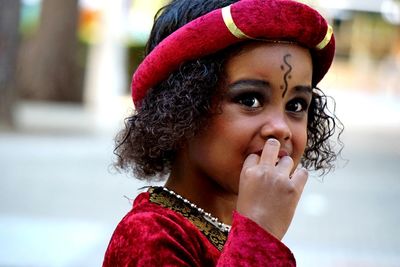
[60, 198]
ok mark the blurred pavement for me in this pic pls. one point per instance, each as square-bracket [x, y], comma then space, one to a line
[60, 199]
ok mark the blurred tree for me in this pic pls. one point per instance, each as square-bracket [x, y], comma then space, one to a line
[48, 62]
[9, 37]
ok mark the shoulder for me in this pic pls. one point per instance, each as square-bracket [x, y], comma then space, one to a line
[149, 233]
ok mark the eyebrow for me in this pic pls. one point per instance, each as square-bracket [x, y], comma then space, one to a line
[249, 82]
[256, 83]
[303, 89]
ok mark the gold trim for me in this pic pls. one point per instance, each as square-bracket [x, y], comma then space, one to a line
[211, 232]
[326, 39]
[230, 24]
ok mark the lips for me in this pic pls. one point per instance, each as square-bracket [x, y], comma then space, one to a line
[282, 153]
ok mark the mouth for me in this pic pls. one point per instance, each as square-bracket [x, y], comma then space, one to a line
[282, 153]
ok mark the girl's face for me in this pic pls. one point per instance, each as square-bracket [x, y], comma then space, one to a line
[266, 95]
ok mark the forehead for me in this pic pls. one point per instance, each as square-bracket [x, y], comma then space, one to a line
[265, 58]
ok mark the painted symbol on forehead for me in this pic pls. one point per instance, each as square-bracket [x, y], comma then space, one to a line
[286, 75]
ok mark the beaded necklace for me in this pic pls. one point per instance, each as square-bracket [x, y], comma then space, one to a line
[206, 215]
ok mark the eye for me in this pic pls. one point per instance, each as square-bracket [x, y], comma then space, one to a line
[249, 100]
[297, 105]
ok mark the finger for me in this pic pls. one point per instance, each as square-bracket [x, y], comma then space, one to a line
[270, 152]
[251, 160]
[299, 178]
[285, 165]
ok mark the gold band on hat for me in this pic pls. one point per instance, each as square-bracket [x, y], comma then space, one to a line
[233, 28]
[326, 39]
[230, 24]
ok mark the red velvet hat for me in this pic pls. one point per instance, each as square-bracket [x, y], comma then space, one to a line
[268, 20]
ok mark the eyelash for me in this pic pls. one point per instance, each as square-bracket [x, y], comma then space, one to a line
[304, 105]
[241, 98]
[254, 96]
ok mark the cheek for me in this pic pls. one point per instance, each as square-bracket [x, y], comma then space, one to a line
[303, 141]
[227, 135]
[300, 141]
[228, 138]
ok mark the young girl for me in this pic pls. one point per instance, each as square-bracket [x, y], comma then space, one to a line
[227, 109]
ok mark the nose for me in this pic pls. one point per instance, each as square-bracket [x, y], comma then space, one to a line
[276, 125]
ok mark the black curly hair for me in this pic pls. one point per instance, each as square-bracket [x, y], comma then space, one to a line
[179, 107]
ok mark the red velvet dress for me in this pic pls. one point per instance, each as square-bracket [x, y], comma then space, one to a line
[161, 230]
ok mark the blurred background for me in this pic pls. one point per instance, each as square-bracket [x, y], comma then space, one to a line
[65, 69]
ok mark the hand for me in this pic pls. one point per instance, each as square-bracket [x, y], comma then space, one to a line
[267, 193]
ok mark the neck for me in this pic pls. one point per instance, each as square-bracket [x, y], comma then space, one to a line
[202, 190]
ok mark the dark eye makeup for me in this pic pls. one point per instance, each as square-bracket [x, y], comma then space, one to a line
[297, 105]
[254, 94]
[250, 99]
[249, 93]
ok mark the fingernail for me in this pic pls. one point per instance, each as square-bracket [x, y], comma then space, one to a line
[304, 170]
[273, 141]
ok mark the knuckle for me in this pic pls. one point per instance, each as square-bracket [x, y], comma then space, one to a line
[291, 188]
[281, 176]
[254, 172]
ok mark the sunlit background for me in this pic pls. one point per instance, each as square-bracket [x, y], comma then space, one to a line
[65, 69]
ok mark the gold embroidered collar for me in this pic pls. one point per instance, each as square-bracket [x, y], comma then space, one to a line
[210, 231]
